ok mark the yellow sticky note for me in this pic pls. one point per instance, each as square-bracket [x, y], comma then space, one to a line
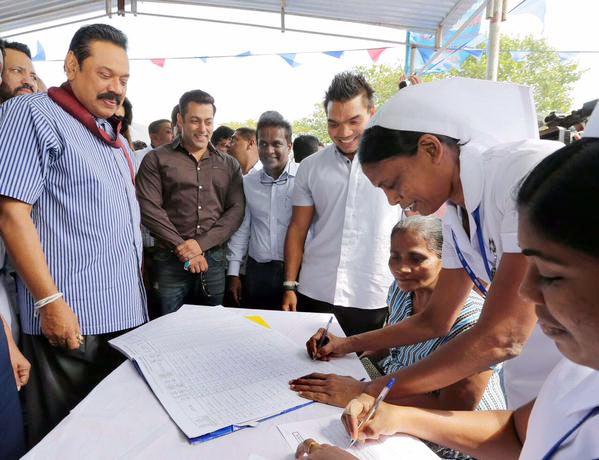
[258, 320]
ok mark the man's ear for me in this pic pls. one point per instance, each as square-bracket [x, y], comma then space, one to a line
[432, 147]
[251, 143]
[71, 66]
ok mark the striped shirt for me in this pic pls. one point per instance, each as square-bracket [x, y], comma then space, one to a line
[400, 308]
[84, 209]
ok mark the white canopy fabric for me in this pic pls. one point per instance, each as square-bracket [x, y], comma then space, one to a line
[417, 15]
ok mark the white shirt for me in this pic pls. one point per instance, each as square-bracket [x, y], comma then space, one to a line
[140, 154]
[568, 394]
[345, 261]
[267, 215]
[490, 180]
[8, 294]
[257, 167]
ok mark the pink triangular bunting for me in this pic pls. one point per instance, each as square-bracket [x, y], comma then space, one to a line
[375, 53]
[159, 62]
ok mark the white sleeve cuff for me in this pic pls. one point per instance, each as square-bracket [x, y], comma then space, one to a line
[301, 200]
[451, 262]
[233, 268]
[509, 242]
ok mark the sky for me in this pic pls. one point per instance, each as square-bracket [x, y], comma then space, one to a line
[244, 87]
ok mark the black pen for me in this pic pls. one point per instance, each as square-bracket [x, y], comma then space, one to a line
[323, 338]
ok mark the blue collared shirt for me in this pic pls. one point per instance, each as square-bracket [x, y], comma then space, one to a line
[267, 216]
[84, 209]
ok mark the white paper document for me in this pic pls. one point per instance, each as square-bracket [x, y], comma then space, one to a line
[330, 430]
[212, 369]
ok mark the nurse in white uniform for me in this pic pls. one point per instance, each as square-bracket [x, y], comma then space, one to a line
[468, 143]
[558, 233]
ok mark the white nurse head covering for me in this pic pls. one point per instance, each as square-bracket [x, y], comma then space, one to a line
[592, 127]
[481, 112]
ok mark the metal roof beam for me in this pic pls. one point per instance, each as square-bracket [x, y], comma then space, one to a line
[446, 45]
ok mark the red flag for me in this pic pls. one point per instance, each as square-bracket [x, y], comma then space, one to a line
[159, 62]
[375, 53]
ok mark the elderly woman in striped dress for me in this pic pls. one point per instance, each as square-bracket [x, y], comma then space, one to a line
[415, 262]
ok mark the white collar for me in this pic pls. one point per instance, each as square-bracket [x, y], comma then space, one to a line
[289, 171]
[472, 175]
[583, 393]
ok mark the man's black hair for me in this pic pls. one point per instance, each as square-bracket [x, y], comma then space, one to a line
[21, 47]
[199, 97]
[83, 38]
[346, 86]
[304, 146]
[247, 133]
[138, 145]
[274, 118]
[222, 132]
[154, 127]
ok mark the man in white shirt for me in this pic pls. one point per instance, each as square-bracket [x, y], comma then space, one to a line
[344, 262]
[244, 149]
[267, 215]
[160, 132]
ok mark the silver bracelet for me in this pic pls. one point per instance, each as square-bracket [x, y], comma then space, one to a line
[37, 306]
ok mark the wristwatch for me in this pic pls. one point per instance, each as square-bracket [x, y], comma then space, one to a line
[290, 285]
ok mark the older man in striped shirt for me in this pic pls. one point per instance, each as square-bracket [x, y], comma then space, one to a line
[71, 222]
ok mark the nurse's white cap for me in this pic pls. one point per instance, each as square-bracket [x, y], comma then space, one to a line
[592, 127]
[467, 109]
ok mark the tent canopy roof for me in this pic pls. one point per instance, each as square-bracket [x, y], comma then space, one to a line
[417, 15]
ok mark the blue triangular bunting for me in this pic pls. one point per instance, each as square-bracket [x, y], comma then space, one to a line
[41, 53]
[335, 54]
[289, 59]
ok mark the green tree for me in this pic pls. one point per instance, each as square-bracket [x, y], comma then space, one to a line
[383, 79]
[315, 124]
[249, 123]
[551, 79]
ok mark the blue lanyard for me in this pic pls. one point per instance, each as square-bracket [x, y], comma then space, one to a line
[549, 455]
[481, 243]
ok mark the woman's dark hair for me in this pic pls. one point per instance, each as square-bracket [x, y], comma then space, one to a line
[174, 114]
[83, 38]
[380, 143]
[561, 196]
[127, 119]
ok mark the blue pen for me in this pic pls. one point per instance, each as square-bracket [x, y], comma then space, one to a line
[385, 391]
[323, 338]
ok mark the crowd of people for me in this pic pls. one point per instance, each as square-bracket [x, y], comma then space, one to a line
[473, 315]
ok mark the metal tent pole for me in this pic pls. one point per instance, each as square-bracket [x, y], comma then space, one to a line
[496, 15]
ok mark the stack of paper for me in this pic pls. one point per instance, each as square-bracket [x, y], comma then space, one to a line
[330, 430]
[215, 372]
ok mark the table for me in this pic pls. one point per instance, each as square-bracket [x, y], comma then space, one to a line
[122, 419]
